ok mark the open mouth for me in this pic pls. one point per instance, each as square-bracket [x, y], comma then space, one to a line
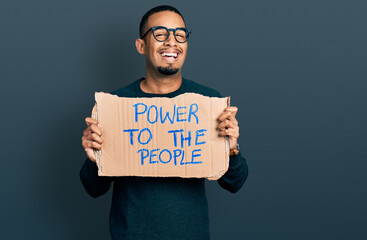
[169, 56]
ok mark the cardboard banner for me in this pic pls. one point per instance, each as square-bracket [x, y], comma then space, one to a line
[161, 137]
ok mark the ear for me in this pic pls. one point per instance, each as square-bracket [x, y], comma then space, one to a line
[140, 46]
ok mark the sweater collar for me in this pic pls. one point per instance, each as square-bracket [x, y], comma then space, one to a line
[140, 92]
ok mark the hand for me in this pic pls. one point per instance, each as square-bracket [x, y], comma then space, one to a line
[228, 126]
[92, 138]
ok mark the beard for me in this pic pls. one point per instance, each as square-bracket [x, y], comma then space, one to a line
[168, 70]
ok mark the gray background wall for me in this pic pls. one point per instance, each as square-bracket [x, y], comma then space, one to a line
[296, 70]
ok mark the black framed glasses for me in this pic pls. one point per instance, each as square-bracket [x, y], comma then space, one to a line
[161, 33]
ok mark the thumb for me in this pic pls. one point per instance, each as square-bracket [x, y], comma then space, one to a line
[90, 154]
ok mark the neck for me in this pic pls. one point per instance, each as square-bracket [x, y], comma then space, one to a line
[161, 84]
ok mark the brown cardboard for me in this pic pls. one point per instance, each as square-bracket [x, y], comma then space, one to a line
[122, 118]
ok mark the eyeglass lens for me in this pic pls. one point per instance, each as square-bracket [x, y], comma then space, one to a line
[161, 34]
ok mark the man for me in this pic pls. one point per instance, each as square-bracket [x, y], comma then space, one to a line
[161, 208]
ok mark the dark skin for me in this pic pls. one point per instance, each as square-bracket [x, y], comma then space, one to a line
[158, 83]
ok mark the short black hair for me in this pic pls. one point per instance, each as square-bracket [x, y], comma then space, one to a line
[144, 19]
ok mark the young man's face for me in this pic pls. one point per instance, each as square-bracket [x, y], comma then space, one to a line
[161, 56]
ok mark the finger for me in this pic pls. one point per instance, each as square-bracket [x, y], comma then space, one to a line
[87, 134]
[86, 131]
[94, 128]
[226, 124]
[229, 133]
[90, 144]
[232, 109]
[85, 142]
[96, 138]
[90, 121]
[91, 136]
[90, 154]
[233, 119]
[223, 116]
[227, 115]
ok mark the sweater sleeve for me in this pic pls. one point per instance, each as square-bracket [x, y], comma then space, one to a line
[236, 174]
[94, 184]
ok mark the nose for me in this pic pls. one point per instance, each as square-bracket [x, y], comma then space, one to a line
[171, 41]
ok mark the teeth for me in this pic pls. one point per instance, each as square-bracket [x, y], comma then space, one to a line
[169, 55]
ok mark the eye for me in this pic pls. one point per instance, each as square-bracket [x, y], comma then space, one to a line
[160, 33]
[180, 33]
